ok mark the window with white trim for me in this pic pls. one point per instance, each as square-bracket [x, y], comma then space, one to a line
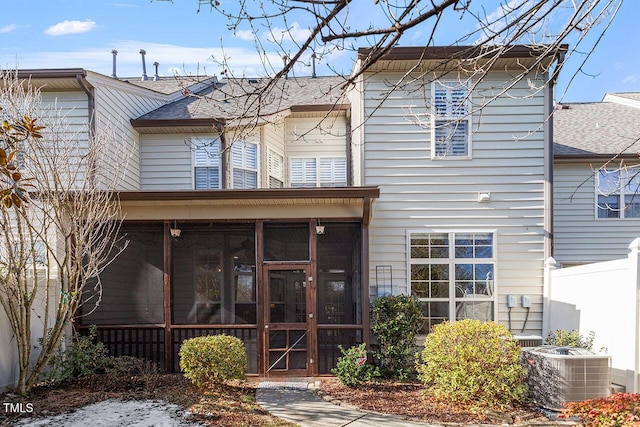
[452, 274]
[618, 193]
[206, 170]
[318, 172]
[275, 169]
[244, 165]
[451, 119]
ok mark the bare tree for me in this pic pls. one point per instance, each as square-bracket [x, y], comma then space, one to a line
[303, 32]
[60, 222]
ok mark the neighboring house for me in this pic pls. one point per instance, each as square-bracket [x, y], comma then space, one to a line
[280, 228]
[596, 200]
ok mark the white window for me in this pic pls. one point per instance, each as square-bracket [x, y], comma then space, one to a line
[451, 135]
[453, 275]
[318, 172]
[244, 164]
[275, 169]
[618, 193]
[206, 161]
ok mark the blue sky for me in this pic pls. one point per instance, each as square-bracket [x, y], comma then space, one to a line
[82, 33]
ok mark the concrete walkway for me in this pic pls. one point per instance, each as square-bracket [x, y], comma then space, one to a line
[297, 402]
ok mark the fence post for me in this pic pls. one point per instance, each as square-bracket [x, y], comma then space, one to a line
[634, 269]
[549, 266]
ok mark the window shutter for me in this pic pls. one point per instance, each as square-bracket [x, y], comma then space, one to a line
[275, 170]
[440, 100]
[208, 155]
[244, 161]
[451, 139]
[303, 172]
[333, 172]
[207, 178]
[207, 166]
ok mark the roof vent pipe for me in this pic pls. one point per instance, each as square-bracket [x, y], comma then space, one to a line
[285, 59]
[144, 65]
[313, 65]
[114, 53]
[156, 77]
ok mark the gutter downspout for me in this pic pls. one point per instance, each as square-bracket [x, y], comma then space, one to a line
[91, 106]
[223, 157]
[91, 102]
[348, 147]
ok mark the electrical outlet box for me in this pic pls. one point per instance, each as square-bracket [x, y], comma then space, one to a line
[512, 301]
[526, 301]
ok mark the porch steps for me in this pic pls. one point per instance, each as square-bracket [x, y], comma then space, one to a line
[288, 384]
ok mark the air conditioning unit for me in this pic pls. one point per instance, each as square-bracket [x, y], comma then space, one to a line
[528, 340]
[556, 375]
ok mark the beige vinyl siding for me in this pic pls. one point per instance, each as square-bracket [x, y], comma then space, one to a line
[579, 237]
[166, 162]
[116, 104]
[314, 137]
[421, 194]
[306, 137]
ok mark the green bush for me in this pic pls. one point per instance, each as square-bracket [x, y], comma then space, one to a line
[617, 410]
[573, 338]
[471, 362]
[352, 368]
[395, 322]
[83, 358]
[213, 359]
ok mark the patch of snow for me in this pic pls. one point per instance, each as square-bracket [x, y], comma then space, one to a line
[118, 413]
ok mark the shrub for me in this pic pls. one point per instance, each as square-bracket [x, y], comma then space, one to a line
[131, 372]
[471, 362]
[617, 410]
[213, 359]
[573, 338]
[352, 368]
[395, 322]
[83, 358]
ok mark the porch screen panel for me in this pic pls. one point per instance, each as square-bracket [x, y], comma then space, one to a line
[339, 268]
[286, 241]
[213, 274]
[132, 285]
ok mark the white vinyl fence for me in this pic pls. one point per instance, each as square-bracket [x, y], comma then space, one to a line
[604, 298]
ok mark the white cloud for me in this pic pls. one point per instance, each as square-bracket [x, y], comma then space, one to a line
[294, 33]
[70, 27]
[245, 35]
[8, 28]
[632, 79]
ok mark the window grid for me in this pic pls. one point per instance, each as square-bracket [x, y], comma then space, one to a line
[453, 270]
[617, 193]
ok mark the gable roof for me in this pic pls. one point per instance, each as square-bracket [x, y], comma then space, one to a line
[596, 129]
[228, 99]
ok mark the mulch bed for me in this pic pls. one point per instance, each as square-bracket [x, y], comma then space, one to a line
[409, 400]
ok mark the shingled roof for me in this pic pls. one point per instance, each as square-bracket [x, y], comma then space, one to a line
[596, 129]
[230, 99]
